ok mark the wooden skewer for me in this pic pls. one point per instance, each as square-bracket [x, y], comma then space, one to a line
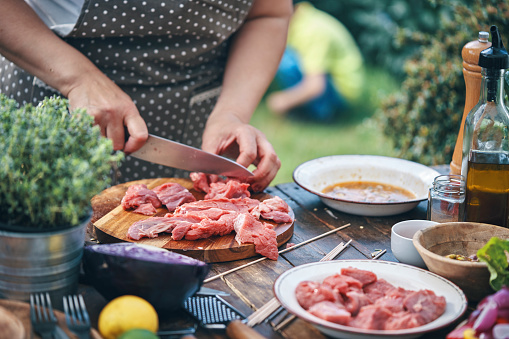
[280, 252]
[379, 254]
[272, 305]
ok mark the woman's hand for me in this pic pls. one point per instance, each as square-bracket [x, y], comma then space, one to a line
[252, 62]
[70, 72]
[227, 135]
[111, 108]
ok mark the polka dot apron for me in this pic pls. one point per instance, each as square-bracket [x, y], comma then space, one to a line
[169, 57]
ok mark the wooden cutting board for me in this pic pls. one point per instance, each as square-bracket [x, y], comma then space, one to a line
[111, 223]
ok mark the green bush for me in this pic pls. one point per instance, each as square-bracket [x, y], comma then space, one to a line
[375, 24]
[51, 164]
[423, 118]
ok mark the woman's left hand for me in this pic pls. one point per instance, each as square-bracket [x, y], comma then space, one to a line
[227, 135]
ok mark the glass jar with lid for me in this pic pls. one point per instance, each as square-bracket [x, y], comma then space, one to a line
[446, 199]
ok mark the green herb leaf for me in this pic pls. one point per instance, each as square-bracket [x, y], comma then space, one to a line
[494, 255]
[52, 162]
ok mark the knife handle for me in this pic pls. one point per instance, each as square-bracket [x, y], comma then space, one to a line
[238, 330]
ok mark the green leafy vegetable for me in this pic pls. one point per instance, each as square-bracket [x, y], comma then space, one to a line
[52, 163]
[494, 255]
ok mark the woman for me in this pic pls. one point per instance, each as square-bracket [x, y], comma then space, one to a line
[191, 71]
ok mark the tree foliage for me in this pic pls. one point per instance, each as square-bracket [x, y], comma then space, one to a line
[424, 117]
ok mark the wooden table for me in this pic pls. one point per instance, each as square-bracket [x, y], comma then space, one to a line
[251, 287]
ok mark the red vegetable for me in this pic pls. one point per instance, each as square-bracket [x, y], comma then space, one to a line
[487, 317]
[489, 320]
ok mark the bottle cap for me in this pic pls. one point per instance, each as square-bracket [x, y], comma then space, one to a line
[483, 36]
[495, 57]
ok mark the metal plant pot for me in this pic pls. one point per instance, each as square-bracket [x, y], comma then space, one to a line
[34, 262]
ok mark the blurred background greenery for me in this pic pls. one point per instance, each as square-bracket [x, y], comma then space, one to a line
[414, 93]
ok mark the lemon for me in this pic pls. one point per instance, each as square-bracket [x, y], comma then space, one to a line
[138, 333]
[126, 313]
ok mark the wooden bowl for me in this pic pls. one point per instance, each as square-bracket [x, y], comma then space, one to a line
[465, 238]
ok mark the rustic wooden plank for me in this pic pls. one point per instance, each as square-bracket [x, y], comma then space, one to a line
[307, 226]
[371, 238]
[368, 233]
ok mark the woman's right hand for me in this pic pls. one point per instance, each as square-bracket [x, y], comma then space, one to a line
[111, 108]
[29, 43]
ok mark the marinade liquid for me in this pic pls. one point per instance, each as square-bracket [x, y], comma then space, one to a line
[487, 193]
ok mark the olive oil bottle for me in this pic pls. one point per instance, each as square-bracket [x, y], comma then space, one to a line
[485, 162]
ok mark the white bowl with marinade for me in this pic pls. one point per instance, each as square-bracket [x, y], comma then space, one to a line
[367, 185]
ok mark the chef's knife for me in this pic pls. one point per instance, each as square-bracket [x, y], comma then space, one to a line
[173, 154]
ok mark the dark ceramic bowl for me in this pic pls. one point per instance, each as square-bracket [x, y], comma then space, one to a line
[163, 278]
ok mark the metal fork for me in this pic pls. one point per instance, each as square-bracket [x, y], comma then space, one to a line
[76, 316]
[43, 319]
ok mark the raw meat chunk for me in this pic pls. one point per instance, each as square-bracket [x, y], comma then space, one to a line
[355, 300]
[173, 194]
[378, 289]
[332, 312]
[236, 205]
[146, 209]
[365, 277]
[342, 283]
[309, 293]
[151, 227]
[231, 189]
[262, 235]
[425, 303]
[371, 317]
[202, 181]
[393, 300]
[137, 195]
[208, 227]
[403, 320]
[273, 209]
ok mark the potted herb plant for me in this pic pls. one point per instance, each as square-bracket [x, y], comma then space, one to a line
[52, 162]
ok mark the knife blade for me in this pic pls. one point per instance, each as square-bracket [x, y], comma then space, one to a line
[174, 154]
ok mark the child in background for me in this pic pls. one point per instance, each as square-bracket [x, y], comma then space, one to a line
[321, 72]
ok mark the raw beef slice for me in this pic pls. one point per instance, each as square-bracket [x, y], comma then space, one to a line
[202, 181]
[232, 189]
[146, 209]
[262, 235]
[309, 293]
[172, 195]
[330, 311]
[152, 227]
[137, 195]
[275, 209]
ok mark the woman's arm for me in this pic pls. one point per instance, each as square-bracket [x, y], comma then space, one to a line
[253, 60]
[29, 43]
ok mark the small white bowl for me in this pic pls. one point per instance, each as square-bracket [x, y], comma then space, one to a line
[402, 245]
[317, 174]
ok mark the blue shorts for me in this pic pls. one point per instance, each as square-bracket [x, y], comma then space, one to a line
[323, 108]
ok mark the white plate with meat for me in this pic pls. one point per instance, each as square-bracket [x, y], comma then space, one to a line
[414, 280]
[367, 185]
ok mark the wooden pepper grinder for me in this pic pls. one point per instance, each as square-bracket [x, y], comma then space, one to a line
[472, 74]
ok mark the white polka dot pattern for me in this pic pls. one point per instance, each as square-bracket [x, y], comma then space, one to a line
[164, 54]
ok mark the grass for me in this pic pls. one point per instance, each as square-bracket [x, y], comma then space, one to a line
[357, 132]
